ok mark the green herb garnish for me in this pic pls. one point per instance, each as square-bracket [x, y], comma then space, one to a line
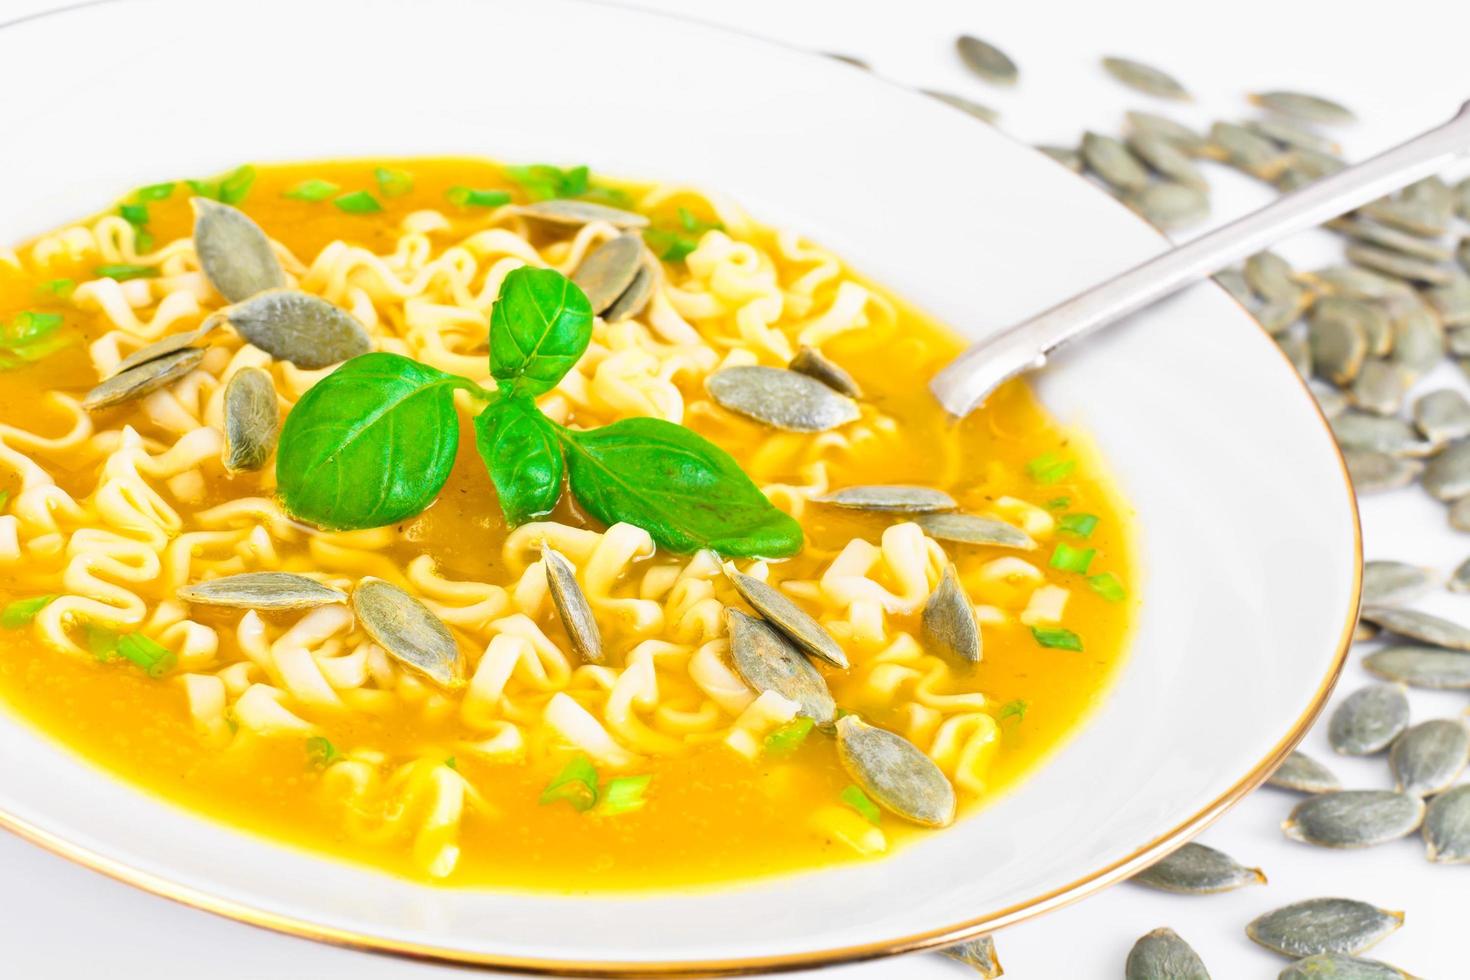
[155, 192]
[787, 738]
[1106, 584]
[675, 244]
[1013, 709]
[320, 752]
[4, 498]
[469, 197]
[624, 794]
[854, 797]
[1049, 468]
[384, 413]
[134, 214]
[452, 763]
[1057, 638]
[1059, 503]
[1081, 525]
[22, 611]
[393, 183]
[542, 181]
[122, 272]
[155, 658]
[311, 190]
[101, 642]
[30, 336]
[60, 288]
[1070, 559]
[576, 784]
[358, 202]
[232, 188]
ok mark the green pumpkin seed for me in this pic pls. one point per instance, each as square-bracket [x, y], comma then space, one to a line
[814, 364]
[1332, 401]
[236, 256]
[1168, 205]
[262, 590]
[407, 631]
[986, 60]
[1353, 282]
[1391, 238]
[1302, 773]
[1295, 347]
[1363, 632]
[1148, 123]
[894, 773]
[780, 398]
[790, 619]
[1418, 340]
[1380, 387]
[1379, 472]
[1113, 162]
[1374, 433]
[1278, 316]
[1339, 343]
[576, 213]
[1233, 281]
[1421, 666]
[1462, 198]
[1145, 78]
[1447, 827]
[1271, 277]
[144, 379]
[979, 955]
[947, 626]
[607, 271]
[1460, 579]
[1428, 758]
[1391, 583]
[290, 325]
[1291, 135]
[1443, 415]
[1419, 626]
[1354, 818]
[848, 59]
[1162, 955]
[252, 420]
[1248, 151]
[769, 662]
[1459, 514]
[1168, 160]
[636, 297]
[1337, 966]
[1398, 265]
[1323, 925]
[1447, 477]
[1300, 105]
[168, 345]
[971, 529]
[1195, 869]
[572, 606]
[1452, 302]
[1415, 217]
[982, 112]
[896, 498]
[1369, 719]
[1065, 155]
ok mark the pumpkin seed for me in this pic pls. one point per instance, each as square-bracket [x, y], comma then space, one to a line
[572, 606]
[1462, 254]
[1447, 827]
[982, 112]
[1111, 160]
[891, 770]
[1460, 579]
[1391, 238]
[1380, 387]
[1354, 818]
[157, 349]
[1336, 966]
[234, 253]
[1420, 666]
[1415, 217]
[144, 379]
[1332, 401]
[1167, 159]
[1459, 514]
[1304, 774]
[1249, 151]
[1195, 869]
[607, 271]
[1418, 340]
[1448, 475]
[1168, 205]
[970, 529]
[1443, 415]
[1323, 925]
[564, 212]
[848, 59]
[1452, 302]
[790, 619]
[1145, 78]
[1180, 135]
[1389, 583]
[1369, 719]
[769, 662]
[1291, 135]
[979, 954]
[1399, 265]
[948, 625]
[262, 590]
[1379, 472]
[986, 60]
[635, 298]
[1233, 282]
[290, 325]
[252, 419]
[1278, 315]
[1462, 198]
[1271, 276]
[407, 631]
[1300, 105]
[1338, 341]
[1354, 282]
[1162, 955]
[1419, 626]
[780, 398]
[1427, 758]
[896, 498]
[814, 364]
[1375, 433]
[1295, 347]
[1065, 155]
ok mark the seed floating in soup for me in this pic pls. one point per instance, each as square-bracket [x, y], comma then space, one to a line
[513, 527]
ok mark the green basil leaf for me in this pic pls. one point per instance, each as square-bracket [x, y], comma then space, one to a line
[540, 324]
[519, 447]
[369, 444]
[678, 486]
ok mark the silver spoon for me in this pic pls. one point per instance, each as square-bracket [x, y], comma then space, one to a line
[972, 376]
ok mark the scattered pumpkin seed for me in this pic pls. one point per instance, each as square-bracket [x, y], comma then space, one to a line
[1447, 827]
[572, 606]
[1145, 78]
[262, 590]
[1291, 135]
[1233, 282]
[560, 211]
[1295, 347]
[1354, 818]
[979, 955]
[1460, 579]
[1368, 720]
[1399, 265]
[1380, 387]
[780, 398]
[1391, 238]
[1459, 514]
[1375, 433]
[1271, 277]
[1339, 343]
[236, 256]
[1182, 136]
[1331, 400]
[1418, 339]
[607, 271]
[1337, 966]
[895, 498]
[1065, 155]
[948, 626]
[770, 662]
[1162, 955]
[1248, 151]
[144, 379]
[290, 325]
[814, 364]
[1421, 666]
[635, 298]
[407, 631]
[1323, 925]
[986, 60]
[252, 419]
[972, 529]
[1167, 205]
[1304, 774]
[980, 111]
[1419, 626]
[1167, 159]
[173, 342]
[898, 776]
[1112, 161]
[1428, 758]
[1415, 217]
[1390, 583]
[1354, 282]
[786, 616]
[1452, 302]
[1300, 105]
[1195, 869]
[1379, 472]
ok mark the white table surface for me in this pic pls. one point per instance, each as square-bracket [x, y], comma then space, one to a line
[1403, 66]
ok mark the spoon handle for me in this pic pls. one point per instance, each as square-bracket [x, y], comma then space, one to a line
[972, 376]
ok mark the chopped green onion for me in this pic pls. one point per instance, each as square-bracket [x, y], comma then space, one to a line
[142, 241]
[785, 739]
[1070, 559]
[674, 245]
[358, 202]
[1106, 584]
[1059, 503]
[312, 190]
[60, 288]
[1081, 525]
[30, 326]
[102, 643]
[1013, 709]
[123, 272]
[236, 184]
[1057, 638]
[452, 763]
[469, 197]
[393, 183]
[155, 658]
[320, 753]
[134, 214]
[1049, 468]
[576, 783]
[156, 192]
[22, 611]
[4, 498]
[854, 797]
[29, 337]
[610, 196]
[624, 794]
[542, 181]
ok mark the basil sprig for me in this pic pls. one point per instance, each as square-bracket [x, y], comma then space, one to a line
[374, 441]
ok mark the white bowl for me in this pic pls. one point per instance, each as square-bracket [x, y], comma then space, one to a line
[1249, 533]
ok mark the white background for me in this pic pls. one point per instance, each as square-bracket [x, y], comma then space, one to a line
[1403, 66]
